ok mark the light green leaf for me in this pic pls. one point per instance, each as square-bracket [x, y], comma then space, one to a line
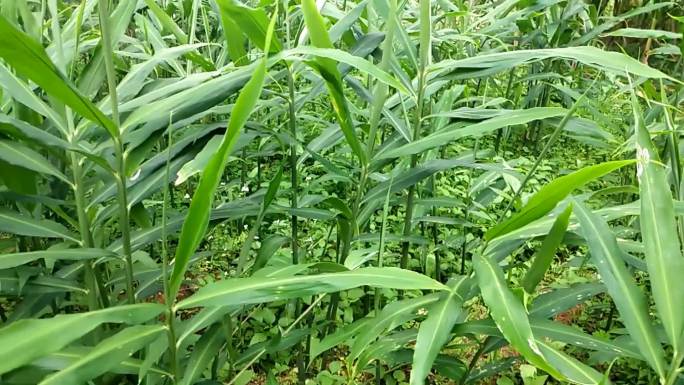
[451, 133]
[629, 300]
[659, 234]
[435, 331]
[19, 155]
[509, 313]
[644, 33]
[17, 259]
[66, 357]
[15, 223]
[544, 256]
[253, 22]
[107, 355]
[239, 291]
[548, 196]
[25, 340]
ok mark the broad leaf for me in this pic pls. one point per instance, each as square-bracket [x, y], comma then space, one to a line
[238, 291]
[106, 355]
[548, 196]
[25, 340]
[628, 298]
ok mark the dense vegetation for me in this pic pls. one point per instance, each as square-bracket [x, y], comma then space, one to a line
[341, 192]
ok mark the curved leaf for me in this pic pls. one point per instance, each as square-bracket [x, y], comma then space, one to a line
[106, 355]
[548, 196]
[17, 259]
[25, 340]
[238, 291]
[15, 223]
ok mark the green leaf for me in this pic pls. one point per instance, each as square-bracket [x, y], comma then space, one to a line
[408, 178]
[236, 41]
[253, 22]
[167, 21]
[13, 126]
[19, 90]
[544, 256]
[238, 291]
[629, 300]
[339, 336]
[548, 196]
[28, 58]
[573, 370]
[197, 220]
[203, 353]
[106, 355]
[357, 62]
[659, 234]
[509, 313]
[488, 64]
[644, 33]
[328, 70]
[391, 316]
[15, 223]
[66, 357]
[17, 259]
[25, 340]
[549, 304]
[453, 132]
[435, 331]
[571, 335]
[19, 155]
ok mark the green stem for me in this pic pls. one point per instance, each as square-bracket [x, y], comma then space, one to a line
[119, 150]
[170, 314]
[293, 165]
[84, 229]
[425, 47]
[675, 370]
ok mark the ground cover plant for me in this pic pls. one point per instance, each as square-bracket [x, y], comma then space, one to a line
[341, 192]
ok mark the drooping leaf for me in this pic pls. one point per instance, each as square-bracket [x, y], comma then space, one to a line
[238, 291]
[106, 355]
[451, 133]
[15, 223]
[204, 352]
[482, 65]
[29, 59]
[25, 340]
[328, 70]
[19, 155]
